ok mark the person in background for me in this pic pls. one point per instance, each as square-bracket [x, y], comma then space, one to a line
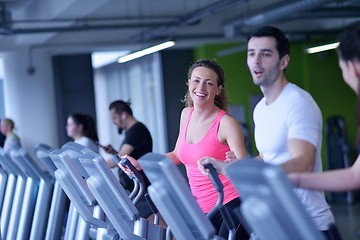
[137, 142]
[207, 130]
[2, 138]
[7, 128]
[82, 128]
[347, 179]
[288, 122]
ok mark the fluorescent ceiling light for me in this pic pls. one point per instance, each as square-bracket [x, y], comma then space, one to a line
[100, 59]
[146, 51]
[324, 47]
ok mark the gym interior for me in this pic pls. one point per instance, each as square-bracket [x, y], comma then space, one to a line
[58, 58]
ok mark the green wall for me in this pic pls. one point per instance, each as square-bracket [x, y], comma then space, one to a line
[319, 74]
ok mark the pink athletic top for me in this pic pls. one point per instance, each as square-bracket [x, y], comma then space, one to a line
[200, 185]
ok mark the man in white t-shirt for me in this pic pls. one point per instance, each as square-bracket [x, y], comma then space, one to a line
[288, 122]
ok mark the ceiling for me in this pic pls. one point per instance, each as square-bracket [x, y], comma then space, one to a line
[89, 25]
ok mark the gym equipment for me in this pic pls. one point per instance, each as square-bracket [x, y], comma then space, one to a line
[59, 202]
[269, 204]
[3, 182]
[36, 198]
[74, 185]
[106, 187]
[338, 154]
[171, 195]
[247, 138]
[15, 184]
[139, 186]
[88, 180]
[219, 187]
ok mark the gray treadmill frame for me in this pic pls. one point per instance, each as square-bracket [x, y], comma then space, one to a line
[172, 196]
[269, 204]
[113, 199]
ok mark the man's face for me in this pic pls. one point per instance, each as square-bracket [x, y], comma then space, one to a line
[263, 60]
[349, 74]
[117, 119]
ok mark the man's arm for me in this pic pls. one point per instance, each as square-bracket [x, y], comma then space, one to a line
[126, 149]
[302, 156]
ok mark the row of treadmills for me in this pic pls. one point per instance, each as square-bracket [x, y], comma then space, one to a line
[34, 199]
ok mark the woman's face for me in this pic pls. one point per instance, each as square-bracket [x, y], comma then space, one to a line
[4, 127]
[203, 85]
[72, 129]
[349, 74]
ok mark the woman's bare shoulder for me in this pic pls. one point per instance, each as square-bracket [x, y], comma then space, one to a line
[229, 120]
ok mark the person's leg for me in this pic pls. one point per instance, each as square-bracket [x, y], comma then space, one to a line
[216, 221]
[333, 233]
[241, 232]
[162, 222]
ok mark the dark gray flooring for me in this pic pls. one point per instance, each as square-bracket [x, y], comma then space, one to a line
[347, 217]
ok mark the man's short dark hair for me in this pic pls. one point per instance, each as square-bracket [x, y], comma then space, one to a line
[120, 106]
[282, 43]
[349, 48]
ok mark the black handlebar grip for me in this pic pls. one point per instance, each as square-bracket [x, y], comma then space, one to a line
[126, 162]
[214, 177]
[116, 159]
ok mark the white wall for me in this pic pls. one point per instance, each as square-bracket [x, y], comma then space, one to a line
[29, 99]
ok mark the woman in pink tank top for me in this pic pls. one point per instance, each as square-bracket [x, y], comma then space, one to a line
[206, 130]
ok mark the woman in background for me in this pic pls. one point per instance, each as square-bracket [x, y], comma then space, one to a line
[346, 179]
[82, 129]
[7, 127]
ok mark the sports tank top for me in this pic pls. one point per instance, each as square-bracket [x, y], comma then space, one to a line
[200, 185]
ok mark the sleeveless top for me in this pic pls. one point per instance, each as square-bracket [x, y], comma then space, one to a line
[200, 185]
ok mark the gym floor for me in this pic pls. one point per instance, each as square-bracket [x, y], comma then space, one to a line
[347, 217]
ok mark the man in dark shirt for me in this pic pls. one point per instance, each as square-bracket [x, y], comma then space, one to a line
[137, 142]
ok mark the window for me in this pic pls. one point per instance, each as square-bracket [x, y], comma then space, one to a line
[139, 81]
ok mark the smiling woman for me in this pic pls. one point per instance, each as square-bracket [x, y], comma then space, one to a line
[214, 76]
[206, 130]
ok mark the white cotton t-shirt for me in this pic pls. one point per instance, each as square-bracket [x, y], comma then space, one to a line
[87, 142]
[293, 115]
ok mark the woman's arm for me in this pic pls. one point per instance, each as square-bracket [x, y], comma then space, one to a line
[230, 133]
[334, 181]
